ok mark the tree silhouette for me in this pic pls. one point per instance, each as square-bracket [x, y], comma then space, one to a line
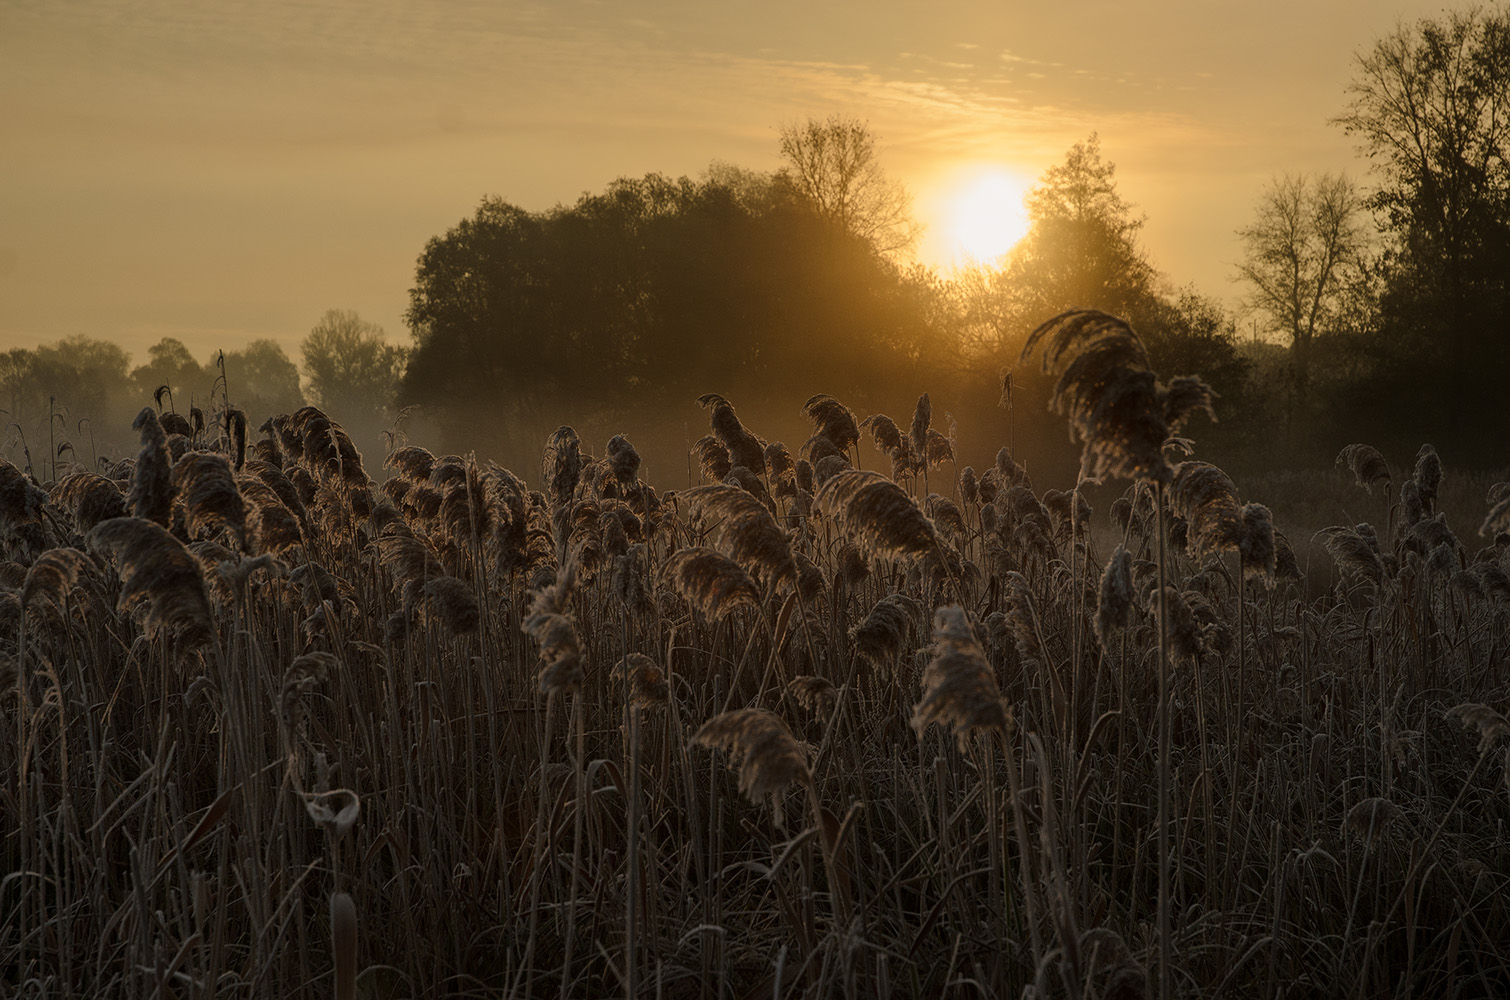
[1303, 254]
[832, 166]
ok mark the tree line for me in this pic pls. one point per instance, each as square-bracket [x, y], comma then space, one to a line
[74, 400]
[1370, 311]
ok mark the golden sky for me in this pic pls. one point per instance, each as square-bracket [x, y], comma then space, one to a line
[223, 171]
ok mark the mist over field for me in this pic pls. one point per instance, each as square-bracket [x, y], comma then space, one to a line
[763, 577]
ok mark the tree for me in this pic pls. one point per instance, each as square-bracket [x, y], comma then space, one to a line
[1081, 250]
[645, 295]
[352, 370]
[832, 165]
[1430, 105]
[1302, 254]
[170, 364]
[262, 380]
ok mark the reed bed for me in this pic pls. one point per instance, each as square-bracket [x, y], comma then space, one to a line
[844, 719]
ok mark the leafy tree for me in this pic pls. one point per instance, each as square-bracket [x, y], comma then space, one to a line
[1303, 257]
[654, 290]
[170, 364]
[832, 166]
[262, 380]
[352, 370]
[1081, 249]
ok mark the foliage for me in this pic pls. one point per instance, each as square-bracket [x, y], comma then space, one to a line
[351, 368]
[1430, 105]
[654, 289]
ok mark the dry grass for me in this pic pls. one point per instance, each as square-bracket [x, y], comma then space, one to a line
[467, 713]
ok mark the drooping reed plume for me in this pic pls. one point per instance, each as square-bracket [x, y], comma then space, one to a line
[877, 515]
[1207, 499]
[767, 755]
[880, 638]
[745, 530]
[646, 681]
[161, 581]
[1122, 413]
[744, 447]
[211, 499]
[151, 494]
[89, 498]
[451, 602]
[1367, 465]
[832, 420]
[53, 576]
[23, 530]
[959, 687]
[710, 581]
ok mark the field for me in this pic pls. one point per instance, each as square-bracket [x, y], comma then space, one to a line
[273, 727]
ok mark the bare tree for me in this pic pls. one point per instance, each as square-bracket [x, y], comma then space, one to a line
[1301, 256]
[832, 165]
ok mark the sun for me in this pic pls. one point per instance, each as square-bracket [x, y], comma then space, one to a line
[981, 216]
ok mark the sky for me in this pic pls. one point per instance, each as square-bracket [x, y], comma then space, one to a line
[226, 171]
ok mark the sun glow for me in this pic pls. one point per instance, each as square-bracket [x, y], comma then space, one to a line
[979, 216]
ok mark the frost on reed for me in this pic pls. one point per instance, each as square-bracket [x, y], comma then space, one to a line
[1122, 413]
[710, 581]
[768, 756]
[161, 581]
[1366, 464]
[959, 688]
[877, 515]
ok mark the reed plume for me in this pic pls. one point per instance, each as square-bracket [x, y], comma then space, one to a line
[832, 420]
[1366, 464]
[161, 581]
[451, 602]
[1121, 412]
[1355, 557]
[211, 499]
[767, 755]
[89, 498]
[710, 581]
[744, 447]
[646, 682]
[1428, 477]
[151, 494]
[959, 687]
[53, 576]
[413, 463]
[880, 638]
[745, 530]
[1491, 725]
[1206, 498]
[1114, 607]
[877, 515]
[561, 668]
[1257, 548]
